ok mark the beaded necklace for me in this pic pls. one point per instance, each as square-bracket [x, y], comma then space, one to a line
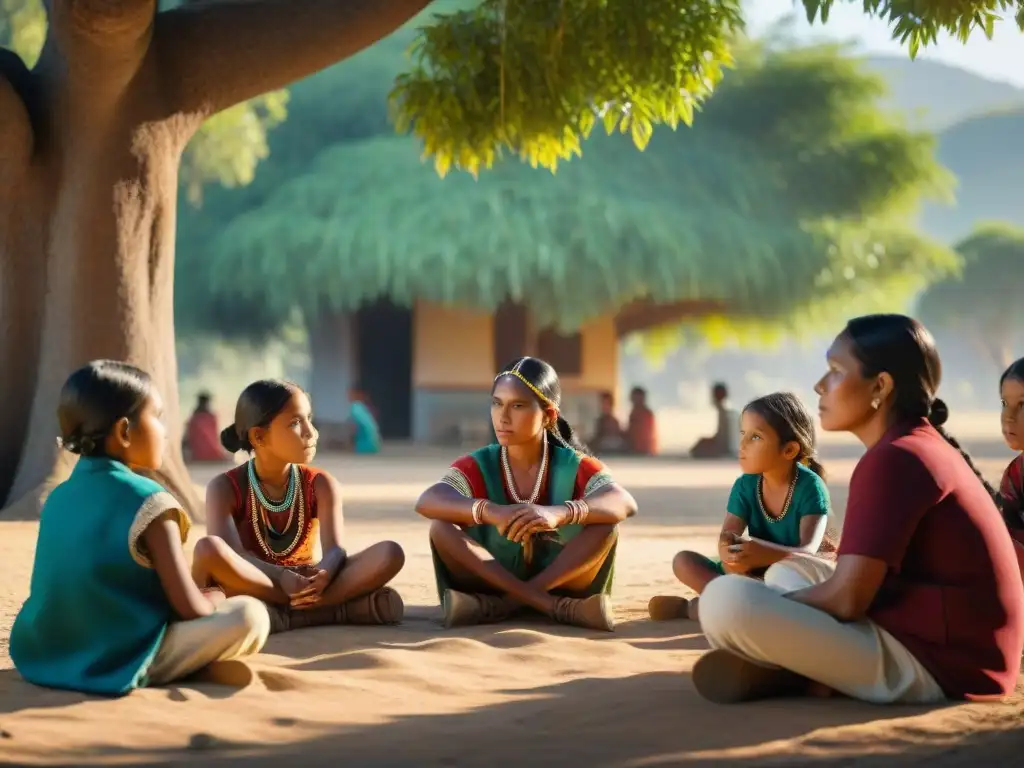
[785, 506]
[289, 494]
[267, 536]
[511, 482]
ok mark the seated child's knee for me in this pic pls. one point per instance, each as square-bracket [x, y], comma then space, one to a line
[250, 619]
[684, 562]
[439, 529]
[393, 552]
[209, 548]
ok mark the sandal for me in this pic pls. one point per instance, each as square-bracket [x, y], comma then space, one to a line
[462, 609]
[384, 606]
[594, 612]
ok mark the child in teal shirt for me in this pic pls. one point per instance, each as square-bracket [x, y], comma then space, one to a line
[112, 605]
[779, 506]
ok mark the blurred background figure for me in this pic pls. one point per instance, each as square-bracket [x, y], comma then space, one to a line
[609, 437]
[363, 431]
[642, 431]
[202, 435]
[725, 442]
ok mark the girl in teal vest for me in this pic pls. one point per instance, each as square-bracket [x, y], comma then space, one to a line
[779, 505]
[112, 606]
[528, 522]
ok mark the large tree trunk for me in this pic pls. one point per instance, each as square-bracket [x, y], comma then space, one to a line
[88, 256]
[22, 292]
[90, 145]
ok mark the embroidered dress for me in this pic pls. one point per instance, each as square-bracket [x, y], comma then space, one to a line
[288, 538]
[96, 612]
[569, 476]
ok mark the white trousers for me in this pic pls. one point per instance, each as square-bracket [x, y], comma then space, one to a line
[238, 628]
[858, 659]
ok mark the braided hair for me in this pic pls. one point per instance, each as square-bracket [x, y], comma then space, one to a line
[94, 399]
[902, 347]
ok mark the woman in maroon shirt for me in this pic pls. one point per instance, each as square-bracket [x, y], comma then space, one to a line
[925, 601]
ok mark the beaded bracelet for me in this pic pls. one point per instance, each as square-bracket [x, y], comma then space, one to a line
[478, 511]
[578, 512]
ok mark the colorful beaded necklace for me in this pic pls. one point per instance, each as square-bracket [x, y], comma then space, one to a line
[269, 537]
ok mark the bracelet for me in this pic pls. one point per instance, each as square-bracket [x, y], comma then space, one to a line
[579, 511]
[478, 511]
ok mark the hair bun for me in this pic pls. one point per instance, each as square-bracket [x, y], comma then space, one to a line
[230, 440]
[938, 413]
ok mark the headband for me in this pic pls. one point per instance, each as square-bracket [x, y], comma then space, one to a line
[514, 371]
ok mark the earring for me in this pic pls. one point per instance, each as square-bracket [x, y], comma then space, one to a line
[875, 403]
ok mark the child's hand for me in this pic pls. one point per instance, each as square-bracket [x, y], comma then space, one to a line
[744, 556]
[311, 594]
[725, 540]
[292, 583]
[215, 595]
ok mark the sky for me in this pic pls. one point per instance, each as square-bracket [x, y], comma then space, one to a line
[1001, 58]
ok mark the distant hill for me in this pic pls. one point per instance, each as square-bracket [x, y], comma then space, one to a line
[935, 96]
[979, 124]
[987, 156]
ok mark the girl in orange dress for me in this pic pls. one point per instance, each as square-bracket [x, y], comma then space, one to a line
[275, 524]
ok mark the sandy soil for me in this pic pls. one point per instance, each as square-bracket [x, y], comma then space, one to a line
[525, 692]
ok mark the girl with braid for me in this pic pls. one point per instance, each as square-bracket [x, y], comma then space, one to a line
[530, 521]
[924, 602]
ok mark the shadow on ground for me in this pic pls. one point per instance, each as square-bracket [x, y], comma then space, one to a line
[581, 721]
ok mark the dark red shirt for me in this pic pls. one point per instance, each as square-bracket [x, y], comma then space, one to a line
[953, 593]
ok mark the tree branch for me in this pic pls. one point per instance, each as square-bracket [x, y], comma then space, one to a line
[216, 54]
[16, 133]
[103, 24]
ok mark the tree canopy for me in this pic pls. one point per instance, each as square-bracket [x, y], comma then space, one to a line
[780, 203]
[983, 303]
[986, 155]
[228, 147]
[474, 90]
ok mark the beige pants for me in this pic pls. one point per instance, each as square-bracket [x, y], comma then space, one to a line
[239, 627]
[858, 659]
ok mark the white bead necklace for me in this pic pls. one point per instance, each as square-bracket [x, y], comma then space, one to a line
[511, 482]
